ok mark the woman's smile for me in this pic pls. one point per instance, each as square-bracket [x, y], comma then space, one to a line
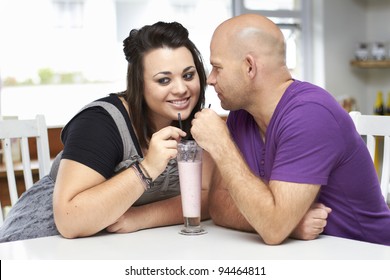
[180, 103]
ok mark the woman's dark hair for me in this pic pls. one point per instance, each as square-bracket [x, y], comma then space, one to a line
[140, 41]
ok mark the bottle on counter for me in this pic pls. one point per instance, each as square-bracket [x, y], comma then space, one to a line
[379, 108]
[387, 108]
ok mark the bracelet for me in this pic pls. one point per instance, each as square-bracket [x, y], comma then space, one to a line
[148, 182]
[144, 170]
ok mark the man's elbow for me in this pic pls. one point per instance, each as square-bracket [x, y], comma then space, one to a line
[273, 240]
[214, 214]
[273, 237]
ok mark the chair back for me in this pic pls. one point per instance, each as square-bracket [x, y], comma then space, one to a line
[22, 130]
[373, 126]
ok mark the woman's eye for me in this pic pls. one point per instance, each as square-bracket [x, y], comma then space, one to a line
[189, 76]
[163, 81]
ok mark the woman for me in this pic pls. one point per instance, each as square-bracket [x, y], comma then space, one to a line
[92, 190]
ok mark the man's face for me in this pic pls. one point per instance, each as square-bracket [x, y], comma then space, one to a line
[226, 73]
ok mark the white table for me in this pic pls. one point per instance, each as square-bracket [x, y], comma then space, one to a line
[166, 243]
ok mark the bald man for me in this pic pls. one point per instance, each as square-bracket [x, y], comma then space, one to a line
[287, 145]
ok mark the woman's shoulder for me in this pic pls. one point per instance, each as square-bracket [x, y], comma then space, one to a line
[93, 115]
[93, 139]
[111, 98]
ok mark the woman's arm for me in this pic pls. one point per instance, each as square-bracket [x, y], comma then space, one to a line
[164, 212]
[85, 203]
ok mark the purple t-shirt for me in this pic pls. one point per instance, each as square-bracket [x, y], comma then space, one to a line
[311, 139]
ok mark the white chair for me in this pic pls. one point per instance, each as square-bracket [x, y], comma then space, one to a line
[23, 129]
[372, 126]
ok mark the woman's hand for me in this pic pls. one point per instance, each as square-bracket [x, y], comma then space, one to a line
[126, 223]
[313, 223]
[162, 148]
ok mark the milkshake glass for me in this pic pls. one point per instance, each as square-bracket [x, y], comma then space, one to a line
[189, 159]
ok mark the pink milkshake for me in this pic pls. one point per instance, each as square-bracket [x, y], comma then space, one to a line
[190, 187]
[189, 160]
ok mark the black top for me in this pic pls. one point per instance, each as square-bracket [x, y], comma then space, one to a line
[92, 138]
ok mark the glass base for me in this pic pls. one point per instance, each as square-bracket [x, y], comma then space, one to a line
[193, 231]
[192, 226]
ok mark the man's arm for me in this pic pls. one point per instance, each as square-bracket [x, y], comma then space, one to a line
[222, 208]
[224, 212]
[274, 209]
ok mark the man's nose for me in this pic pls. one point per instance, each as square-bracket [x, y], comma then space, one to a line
[211, 79]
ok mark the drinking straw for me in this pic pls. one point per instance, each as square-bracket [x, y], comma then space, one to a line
[194, 154]
[179, 119]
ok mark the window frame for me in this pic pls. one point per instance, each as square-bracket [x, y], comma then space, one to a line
[303, 15]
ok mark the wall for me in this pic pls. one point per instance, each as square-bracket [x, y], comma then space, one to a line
[378, 29]
[343, 25]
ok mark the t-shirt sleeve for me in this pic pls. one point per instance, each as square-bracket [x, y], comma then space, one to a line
[92, 138]
[309, 145]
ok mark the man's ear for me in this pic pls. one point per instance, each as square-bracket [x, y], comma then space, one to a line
[251, 67]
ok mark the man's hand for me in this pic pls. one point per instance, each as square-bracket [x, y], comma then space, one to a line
[210, 131]
[313, 223]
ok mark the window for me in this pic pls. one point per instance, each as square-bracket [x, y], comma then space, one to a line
[292, 18]
[273, 5]
[68, 13]
[70, 51]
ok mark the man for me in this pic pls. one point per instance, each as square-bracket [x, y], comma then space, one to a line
[286, 145]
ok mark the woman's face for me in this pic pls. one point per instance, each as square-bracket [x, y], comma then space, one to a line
[171, 84]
